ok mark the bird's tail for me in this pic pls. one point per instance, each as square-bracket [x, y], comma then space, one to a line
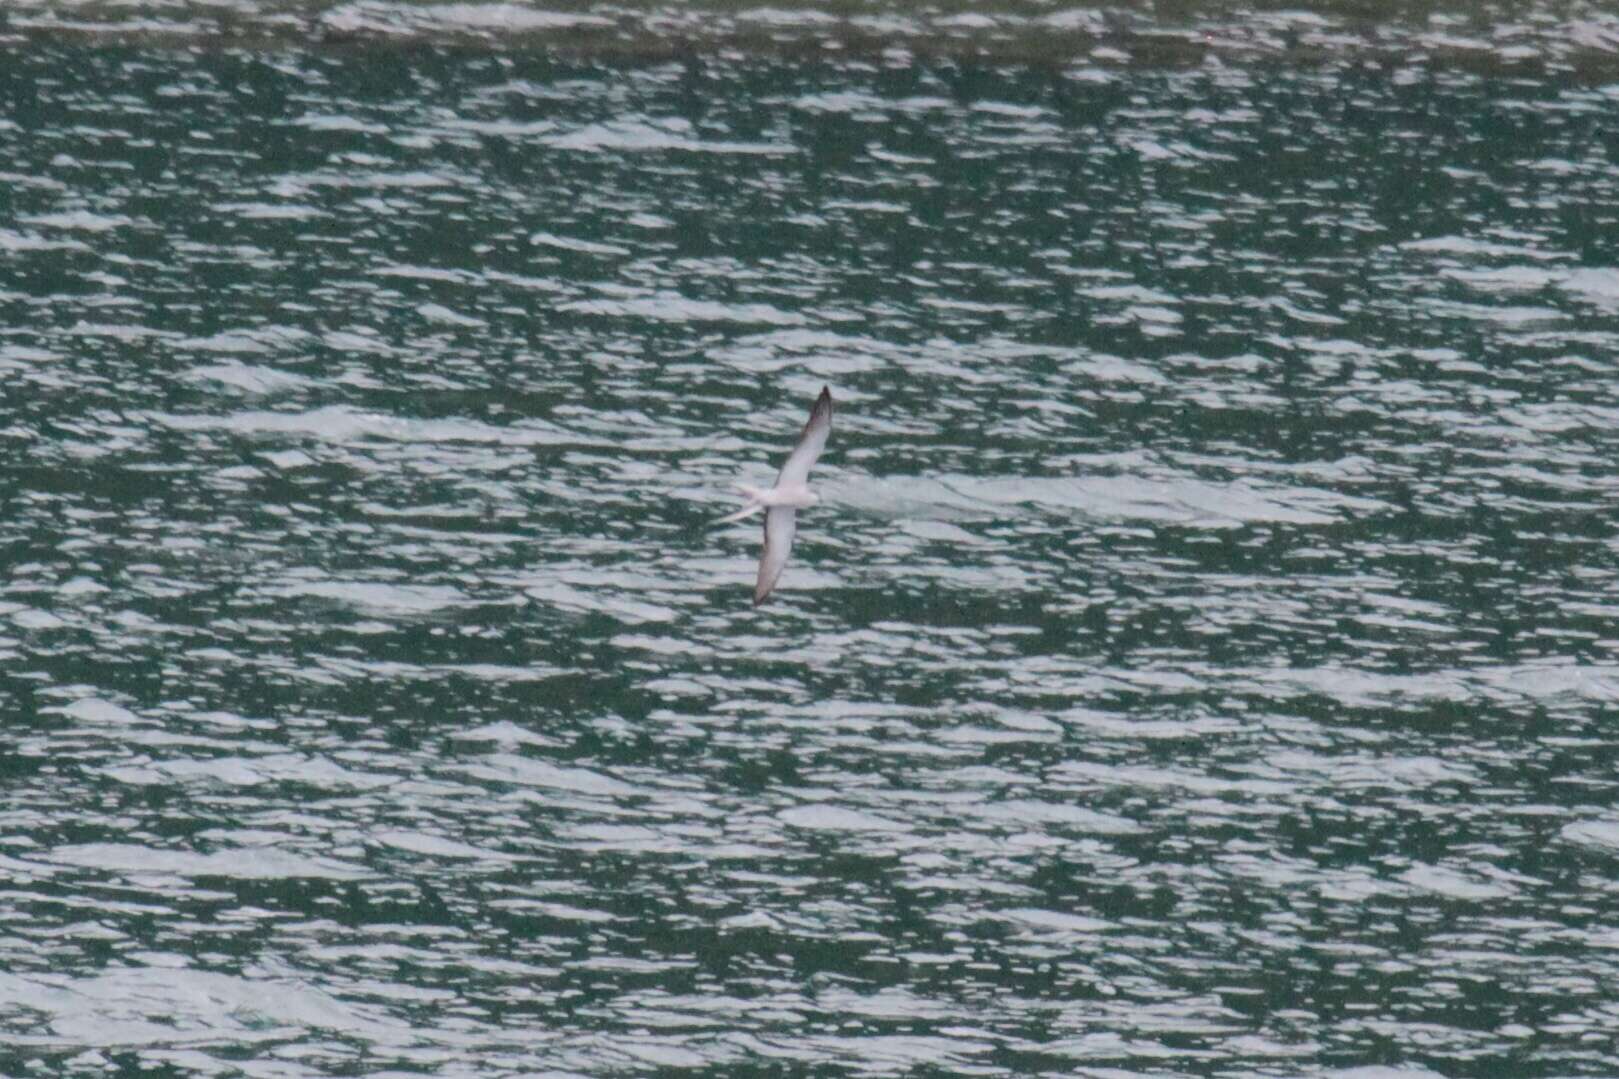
[756, 502]
[751, 507]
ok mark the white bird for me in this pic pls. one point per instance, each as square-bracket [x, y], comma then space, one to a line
[791, 493]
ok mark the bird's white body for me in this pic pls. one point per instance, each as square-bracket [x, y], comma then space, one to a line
[791, 493]
[796, 495]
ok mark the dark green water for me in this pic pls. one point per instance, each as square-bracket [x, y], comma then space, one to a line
[1203, 662]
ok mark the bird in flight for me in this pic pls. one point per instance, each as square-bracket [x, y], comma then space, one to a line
[791, 493]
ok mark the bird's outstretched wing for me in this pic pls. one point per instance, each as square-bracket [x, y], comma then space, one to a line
[810, 443]
[781, 523]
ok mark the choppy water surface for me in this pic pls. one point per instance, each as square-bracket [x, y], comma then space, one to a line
[1203, 663]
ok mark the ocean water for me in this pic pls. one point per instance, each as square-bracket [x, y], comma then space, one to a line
[1203, 662]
